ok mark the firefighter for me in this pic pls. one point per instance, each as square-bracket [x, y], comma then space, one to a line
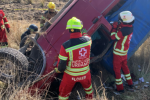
[31, 30]
[122, 34]
[51, 12]
[73, 60]
[3, 24]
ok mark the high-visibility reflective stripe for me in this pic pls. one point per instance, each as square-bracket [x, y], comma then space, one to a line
[127, 75]
[43, 18]
[118, 83]
[74, 26]
[78, 46]
[117, 37]
[4, 46]
[113, 33]
[121, 51]
[6, 23]
[2, 26]
[120, 54]
[88, 88]
[4, 17]
[77, 69]
[76, 74]
[89, 92]
[63, 98]
[71, 55]
[118, 80]
[68, 25]
[128, 78]
[62, 57]
[115, 45]
[123, 42]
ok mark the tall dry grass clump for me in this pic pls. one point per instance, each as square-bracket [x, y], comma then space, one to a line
[18, 27]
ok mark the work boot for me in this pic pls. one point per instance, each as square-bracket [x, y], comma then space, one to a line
[131, 88]
[121, 91]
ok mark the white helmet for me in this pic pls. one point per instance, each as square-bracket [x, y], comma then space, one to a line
[126, 16]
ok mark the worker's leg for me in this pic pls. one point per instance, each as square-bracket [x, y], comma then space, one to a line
[126, 72]
[65, 87]
[117, 67]
[87, 85]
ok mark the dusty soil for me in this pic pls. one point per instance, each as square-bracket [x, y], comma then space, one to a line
[25, 11]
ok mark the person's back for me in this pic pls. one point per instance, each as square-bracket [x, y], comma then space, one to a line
[74, 61]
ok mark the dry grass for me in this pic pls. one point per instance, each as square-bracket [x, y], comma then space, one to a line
[18, 27]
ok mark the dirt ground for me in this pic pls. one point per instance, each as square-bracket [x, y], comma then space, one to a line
[27, 11]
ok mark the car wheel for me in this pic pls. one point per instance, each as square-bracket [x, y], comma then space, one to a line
[13, 65]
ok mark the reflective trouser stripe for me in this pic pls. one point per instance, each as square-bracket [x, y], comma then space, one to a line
[118, 81]
[63, 98]
[2, 26]
[88, 88]
[76, 74]
[6, 23]
[128, 76]
[4, 17]
[89, 92]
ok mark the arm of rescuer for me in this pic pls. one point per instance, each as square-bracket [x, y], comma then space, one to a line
[43, 19]
[6, 22]
[116, 34]
[62, 61]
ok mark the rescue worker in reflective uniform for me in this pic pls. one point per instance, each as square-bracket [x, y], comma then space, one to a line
[51, 12]
[74, 60]
[3, 24]
[122, 35]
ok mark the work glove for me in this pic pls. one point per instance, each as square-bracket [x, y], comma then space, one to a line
[8, 30]
[115, 25]
[56, 70]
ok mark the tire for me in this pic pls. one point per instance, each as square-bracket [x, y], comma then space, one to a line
[13, 65]
[23, 41]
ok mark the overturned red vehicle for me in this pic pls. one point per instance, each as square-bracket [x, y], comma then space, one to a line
[42, 57]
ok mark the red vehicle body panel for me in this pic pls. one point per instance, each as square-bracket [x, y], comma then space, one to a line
[86, 11]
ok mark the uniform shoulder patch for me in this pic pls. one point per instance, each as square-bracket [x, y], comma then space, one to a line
[126, 30]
